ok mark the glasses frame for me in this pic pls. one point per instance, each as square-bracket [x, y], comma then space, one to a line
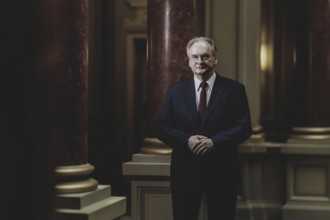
[203, 57]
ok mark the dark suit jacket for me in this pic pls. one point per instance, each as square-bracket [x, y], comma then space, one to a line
[227, 123]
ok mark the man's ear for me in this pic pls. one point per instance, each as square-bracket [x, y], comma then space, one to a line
[215, 61]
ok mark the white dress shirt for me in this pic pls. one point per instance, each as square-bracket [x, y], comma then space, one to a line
[210, 83]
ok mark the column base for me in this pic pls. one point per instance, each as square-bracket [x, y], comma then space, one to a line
[147, 165]
[155, 146]
[305, 211]
[303, 134]
[75, 179]
[150, 187]
[307, 182]
[95, 205]
[257, 134]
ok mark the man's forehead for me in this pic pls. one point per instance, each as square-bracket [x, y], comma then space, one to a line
[200, 47]
[201, 44]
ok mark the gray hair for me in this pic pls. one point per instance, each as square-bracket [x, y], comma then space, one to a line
[202, 39]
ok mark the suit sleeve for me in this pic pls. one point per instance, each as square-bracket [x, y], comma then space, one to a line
[166, 124]
[240, 128]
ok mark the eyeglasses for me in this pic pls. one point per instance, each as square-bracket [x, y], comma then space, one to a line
[204, 57]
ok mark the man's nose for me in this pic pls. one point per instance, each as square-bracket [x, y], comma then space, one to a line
[200, 59]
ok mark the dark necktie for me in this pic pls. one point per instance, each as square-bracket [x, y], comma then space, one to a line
[202, 100]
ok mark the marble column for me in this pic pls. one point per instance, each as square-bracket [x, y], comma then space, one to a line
[171, 24]
[312, 77]
[27, 157]
[71, 99]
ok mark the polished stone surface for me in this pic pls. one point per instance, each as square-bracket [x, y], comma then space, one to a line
[312, 91]
[171, 24]
[72, 82]
[319, 57]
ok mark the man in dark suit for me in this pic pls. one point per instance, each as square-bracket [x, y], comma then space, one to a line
[204, 125]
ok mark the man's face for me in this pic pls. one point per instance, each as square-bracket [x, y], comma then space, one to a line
[201, 60]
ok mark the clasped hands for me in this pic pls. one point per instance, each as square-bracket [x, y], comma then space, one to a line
[199, 144]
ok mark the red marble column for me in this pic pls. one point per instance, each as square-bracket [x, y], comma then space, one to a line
[43, 86]
[71, 98]
[27, 154]
[171, 24]
[312, 109]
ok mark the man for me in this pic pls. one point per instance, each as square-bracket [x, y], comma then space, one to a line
[204, 160]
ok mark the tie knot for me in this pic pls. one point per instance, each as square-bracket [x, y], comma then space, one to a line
[203, 84]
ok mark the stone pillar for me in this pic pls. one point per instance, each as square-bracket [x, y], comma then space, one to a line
[312, 77]
[78, 195]
[249, 41]
[171, 24]
[27, 155]
[71, 99]
[307, 151]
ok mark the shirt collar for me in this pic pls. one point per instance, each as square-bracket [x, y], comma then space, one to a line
[210, 82]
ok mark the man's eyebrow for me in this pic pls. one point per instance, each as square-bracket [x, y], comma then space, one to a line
[204, 54]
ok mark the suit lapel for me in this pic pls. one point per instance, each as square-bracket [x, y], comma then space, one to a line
[190, 97]
[216, 94]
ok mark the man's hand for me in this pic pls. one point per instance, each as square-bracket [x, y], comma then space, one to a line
[199, 144]
[194, 141]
